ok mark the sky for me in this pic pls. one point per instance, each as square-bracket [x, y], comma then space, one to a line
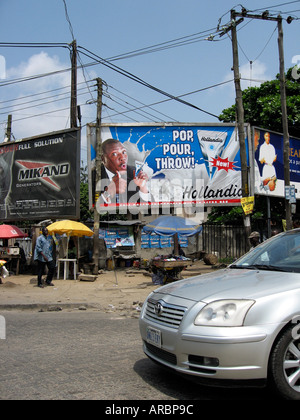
[175, 47]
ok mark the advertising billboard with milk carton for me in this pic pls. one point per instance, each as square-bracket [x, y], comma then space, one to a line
[153, 165]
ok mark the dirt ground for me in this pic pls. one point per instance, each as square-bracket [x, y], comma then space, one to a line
[122, 291]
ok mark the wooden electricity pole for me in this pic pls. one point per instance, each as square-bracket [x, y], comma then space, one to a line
[239, 108]
[285, 129]
[73, 107]
[240, 117]
[8, 129]
[98, 175]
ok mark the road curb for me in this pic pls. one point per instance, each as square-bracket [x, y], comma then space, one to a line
[48, 307]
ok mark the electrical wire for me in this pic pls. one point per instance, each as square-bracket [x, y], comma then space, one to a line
[181, 41]
[38, 105]
[38, 100]
[185, 40]
[34, 44]
[275, 5]
[129, 75]
[183, 95]
[142, 113]
[68, 19]
[30, 78]
[141, 103]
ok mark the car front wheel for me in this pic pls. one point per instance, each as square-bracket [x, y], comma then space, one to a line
[285, 364]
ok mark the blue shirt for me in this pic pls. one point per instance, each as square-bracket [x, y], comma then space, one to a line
[43, 245]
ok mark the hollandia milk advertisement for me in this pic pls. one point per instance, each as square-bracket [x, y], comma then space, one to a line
[154, 165]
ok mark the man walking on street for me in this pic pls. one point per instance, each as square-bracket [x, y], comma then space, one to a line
[43, 256]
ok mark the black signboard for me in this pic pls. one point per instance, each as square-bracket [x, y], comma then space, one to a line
[40, 177]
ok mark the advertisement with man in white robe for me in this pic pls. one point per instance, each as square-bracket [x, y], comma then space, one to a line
[269, 164]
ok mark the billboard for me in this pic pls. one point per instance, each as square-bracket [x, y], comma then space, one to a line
[269, 164]
[189, 165]
[40, 177]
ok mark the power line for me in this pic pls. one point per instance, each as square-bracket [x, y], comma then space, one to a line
[38, 94]
[177, 42]
[129, 75]
[68, 20]
[41, 99]
[275, 5]
[34, 44]
[245, 10]
[185, 40]
[181, 96]
[30, 78]
[141, 103]
[41, 104]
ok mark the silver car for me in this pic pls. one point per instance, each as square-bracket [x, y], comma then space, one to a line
[235, 324]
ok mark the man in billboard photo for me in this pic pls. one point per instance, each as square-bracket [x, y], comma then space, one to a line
[267, 157]
[122, 180]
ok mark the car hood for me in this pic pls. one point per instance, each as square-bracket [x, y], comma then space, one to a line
[232, 284]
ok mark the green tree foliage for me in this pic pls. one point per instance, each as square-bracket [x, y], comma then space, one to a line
[226, 215]
[262, 105]
[85, 213]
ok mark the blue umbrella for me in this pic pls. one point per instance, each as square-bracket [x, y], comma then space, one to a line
[173, 225]
[170, 225]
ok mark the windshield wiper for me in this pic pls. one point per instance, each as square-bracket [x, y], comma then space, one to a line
[259, 267]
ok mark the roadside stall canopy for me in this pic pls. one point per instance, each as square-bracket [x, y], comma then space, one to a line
[70, 228]
[11, 231]
[173, 226]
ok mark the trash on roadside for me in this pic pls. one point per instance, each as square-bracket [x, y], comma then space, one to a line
[158, 278]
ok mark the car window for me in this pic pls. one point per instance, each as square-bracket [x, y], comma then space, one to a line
[281, 252]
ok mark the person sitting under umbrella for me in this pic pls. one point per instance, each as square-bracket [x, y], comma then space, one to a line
[22, 255]
[181, 252]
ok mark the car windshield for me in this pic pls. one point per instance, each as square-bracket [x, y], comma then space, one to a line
[280, 253]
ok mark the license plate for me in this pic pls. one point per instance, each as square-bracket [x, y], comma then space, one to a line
[154, 336]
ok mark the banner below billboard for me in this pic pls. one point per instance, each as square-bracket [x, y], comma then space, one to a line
[269, 164]
[40, 177]
[155, 165]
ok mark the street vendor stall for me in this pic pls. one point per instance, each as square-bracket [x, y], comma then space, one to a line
[169, 269]
[69, 228]
[11, 254]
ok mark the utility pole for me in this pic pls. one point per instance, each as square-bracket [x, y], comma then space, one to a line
[239, 113]
[98, 175]
[73, 108]
[8, 129]
[240, 109]
[285, 129]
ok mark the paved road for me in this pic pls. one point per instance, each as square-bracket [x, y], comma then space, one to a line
[89, 356]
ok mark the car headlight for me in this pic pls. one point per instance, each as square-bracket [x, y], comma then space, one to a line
[224, 313]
